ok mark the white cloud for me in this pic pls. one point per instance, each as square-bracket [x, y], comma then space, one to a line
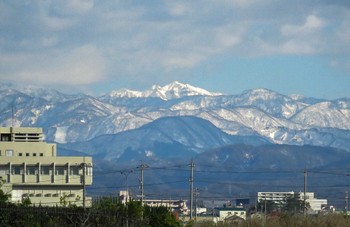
[55, 23]
[56, 41]
[311, 25]
[79, 66]
[178, 9]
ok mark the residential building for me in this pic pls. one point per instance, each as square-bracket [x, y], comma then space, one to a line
[30, 168]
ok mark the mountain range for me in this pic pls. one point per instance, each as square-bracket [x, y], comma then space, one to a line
[252, 132]
[280, 119]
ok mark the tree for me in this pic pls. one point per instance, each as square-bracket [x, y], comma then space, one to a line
[4, 197]
[269, 205]
[294, 205]
[161, 216]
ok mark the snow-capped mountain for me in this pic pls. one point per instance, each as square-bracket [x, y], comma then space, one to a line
[281, 119]
[173, 90]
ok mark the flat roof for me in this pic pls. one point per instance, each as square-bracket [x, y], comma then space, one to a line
[21, 130]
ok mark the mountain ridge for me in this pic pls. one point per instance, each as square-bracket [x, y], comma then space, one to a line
[282, 119]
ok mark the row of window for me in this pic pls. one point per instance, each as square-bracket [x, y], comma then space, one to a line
[235, 213]
[6, 137]
[44, 170]
[33, 154]
[10, 152]
[45, 195]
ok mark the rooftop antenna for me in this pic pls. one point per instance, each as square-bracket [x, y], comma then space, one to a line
[12, 117]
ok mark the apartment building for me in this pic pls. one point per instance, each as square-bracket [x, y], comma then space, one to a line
[279, 198]
[30, 169]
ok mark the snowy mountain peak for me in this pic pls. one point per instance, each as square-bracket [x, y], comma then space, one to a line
[173, 90]
[262, 93]
[176, 90]
[126, 93]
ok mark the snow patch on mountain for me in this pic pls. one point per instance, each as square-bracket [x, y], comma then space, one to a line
[60, 135]
[170, 91]
[281, 119]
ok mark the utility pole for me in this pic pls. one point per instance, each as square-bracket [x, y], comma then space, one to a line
[12, 114]
[191, 188]
[126, 174]
[142, 167]
[265, 212]
[346, 201]
[196, 193]
[305, 181]
[84, 184]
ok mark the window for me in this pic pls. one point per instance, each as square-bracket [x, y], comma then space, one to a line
[9, 152]
[5, 137]
[74, 170]
[17, 170]
[20, 154]
[34, 154]
[41, 154]
[3, 170]
[60, 170]
[45, 170]
[27, 154]
[31, 170]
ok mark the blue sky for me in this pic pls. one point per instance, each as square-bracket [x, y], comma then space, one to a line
[223, 46]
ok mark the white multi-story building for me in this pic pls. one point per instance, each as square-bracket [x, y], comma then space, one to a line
[315, 204]
[172, 204]
[30, 169]
[280, 197]
[277, 197]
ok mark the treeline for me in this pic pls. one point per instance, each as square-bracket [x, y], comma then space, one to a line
[108, 211]
[104, 212]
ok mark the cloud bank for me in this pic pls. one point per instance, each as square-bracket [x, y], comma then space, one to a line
[80, 42]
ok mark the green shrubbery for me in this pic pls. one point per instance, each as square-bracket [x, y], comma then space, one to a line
[110, 212]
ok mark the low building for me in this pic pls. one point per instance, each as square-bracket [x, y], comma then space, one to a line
[30, 169]
[173, 204]
[316, 205]
[230, 214]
